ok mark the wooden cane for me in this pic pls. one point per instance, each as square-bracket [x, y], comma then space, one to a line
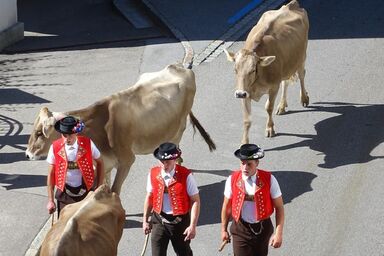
[52, 219]
[223, 245]
[145, 244]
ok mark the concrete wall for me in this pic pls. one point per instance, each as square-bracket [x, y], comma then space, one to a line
[11, 30]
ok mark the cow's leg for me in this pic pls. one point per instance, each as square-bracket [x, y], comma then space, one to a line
[304, 98]
[108, 177]
[269, 130]
[109, 164]
[123, 167]
[246, 106]
[283, 101]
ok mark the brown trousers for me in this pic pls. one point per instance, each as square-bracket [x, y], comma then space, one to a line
[251, 239]
[162, 233]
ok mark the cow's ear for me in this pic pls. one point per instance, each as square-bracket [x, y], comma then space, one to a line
[266, 60]
[47, 124]
[230, 55]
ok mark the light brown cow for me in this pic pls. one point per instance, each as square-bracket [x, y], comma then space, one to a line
[90, 227]
[274, 52]
[130, 122]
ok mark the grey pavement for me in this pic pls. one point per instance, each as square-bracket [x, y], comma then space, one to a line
[328, 158]
[90, 37]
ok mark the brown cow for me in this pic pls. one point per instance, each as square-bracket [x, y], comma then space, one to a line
[274, 51]
[130, 122]
[90, 227]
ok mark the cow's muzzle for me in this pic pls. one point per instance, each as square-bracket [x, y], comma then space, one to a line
[241, 94]
[32, 156]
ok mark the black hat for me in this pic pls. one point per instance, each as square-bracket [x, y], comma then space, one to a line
[249, 152]
[167, 151]
[69, 125]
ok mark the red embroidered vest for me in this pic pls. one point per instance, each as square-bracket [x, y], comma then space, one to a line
[83, 159]
[177, 190]
[262, 197]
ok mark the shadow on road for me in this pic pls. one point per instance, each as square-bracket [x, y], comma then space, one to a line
[347, 138]
[10, 130]
[17, 181]
[133, 223]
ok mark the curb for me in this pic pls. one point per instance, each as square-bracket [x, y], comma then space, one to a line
[11, 35]
[34, 248]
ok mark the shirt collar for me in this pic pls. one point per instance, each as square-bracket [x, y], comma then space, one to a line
[245, 178]
[70, 147]
[170, 174]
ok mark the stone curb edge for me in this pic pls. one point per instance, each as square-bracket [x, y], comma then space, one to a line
[34, 248]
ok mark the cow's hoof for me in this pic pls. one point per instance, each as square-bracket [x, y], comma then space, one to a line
[305, 101]
[270, 133]
[280, 111]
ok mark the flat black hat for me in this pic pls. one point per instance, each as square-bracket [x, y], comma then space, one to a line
[66, 125]
[249, 152]
[167, 151]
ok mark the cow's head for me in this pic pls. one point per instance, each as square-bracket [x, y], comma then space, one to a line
[247, 69]
[42, 136]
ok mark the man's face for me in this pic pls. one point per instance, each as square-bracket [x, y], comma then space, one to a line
[168, 165]
[69, 139]
[249, 167]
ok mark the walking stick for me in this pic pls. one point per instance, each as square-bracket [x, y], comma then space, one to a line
[52, 218]
[145, 244]
[223, 244]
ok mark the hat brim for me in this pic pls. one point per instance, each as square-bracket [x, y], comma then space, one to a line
[156, 155]
[258, 155]
[57, 128]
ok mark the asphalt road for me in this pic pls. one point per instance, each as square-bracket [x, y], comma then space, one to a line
[328, 157]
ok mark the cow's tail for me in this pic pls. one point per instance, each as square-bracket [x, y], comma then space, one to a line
[196, 124]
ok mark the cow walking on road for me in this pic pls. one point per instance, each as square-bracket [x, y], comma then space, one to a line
[130, 122]
[274, 52]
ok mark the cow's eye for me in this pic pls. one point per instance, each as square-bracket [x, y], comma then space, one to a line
[39, 133]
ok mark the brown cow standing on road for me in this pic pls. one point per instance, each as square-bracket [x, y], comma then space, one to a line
[91, 227]
[274, 51]
[130, 122]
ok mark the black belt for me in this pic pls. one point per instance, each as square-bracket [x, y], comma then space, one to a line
[164, 218]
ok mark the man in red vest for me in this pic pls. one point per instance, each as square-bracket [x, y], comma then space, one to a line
[251, 195]
[173, 198]
[70, 169]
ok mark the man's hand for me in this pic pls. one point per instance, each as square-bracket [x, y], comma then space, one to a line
[147, 227]
[190, 233]
[276, 241]
[51, 207]
[225, 236]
